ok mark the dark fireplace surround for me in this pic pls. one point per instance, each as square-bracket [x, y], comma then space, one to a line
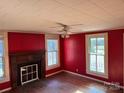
[19, 59]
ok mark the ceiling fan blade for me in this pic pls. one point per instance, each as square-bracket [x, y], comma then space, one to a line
[61, 31]
[75, 25]
[70, 32]
[55, 27]
[61, 24]
[69, 26]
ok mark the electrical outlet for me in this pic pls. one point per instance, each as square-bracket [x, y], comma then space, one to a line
[76, 69]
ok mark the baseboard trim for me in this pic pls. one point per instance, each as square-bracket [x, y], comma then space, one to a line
[4, 90]
[84, 76]
[53, 73]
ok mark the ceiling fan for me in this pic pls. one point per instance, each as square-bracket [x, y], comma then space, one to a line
[65, 32]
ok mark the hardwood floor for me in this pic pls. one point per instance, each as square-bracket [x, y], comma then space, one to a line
[64, 83]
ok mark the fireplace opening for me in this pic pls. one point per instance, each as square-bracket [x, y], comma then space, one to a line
[29, 73]
[27, 67]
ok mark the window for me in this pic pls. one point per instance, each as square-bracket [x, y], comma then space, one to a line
[4, 60]
[96, 54]
[52, 51]
[1, 58]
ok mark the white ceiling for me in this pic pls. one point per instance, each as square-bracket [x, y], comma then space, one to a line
[39, 15]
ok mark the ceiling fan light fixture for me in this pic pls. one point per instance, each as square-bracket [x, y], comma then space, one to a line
[65, 36]
[66, 29]
[62, 36]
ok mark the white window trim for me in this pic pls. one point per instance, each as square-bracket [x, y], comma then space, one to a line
[105, 75]
[56, 37]
[6, 59]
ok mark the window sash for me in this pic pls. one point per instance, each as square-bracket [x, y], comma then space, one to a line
[53, 59]
[96, 54]
[96, 61]
[55, 41]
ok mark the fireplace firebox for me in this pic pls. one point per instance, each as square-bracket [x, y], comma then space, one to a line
[29, 73]
[26, 67]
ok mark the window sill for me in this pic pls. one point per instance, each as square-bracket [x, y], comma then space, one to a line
[1, 78]
[52, 67]
[4, 79]
[98, 74]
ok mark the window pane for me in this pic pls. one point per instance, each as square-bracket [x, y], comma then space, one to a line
[1, 68]
[50, 58]
[1, 60]
[100, 45]
[1, 47]
[92, 45]
[52, 45]
[54, 57]
[92, 62]
[100, 64]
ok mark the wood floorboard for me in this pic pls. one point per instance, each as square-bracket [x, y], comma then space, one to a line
[64, 83]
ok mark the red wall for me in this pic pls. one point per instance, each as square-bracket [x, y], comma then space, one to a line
[5, 85]
[74, 55]
[25, 42]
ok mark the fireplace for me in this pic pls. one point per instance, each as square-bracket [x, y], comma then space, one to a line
[27, 67]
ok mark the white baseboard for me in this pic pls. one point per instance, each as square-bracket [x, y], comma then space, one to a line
[4, 90]
[84, 76]
[54, 73]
